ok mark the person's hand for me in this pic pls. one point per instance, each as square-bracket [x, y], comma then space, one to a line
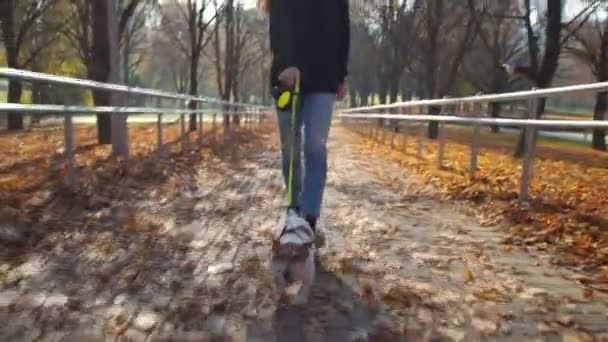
[289, 76]
[341, 92]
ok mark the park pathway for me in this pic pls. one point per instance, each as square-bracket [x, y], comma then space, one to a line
[399, 265]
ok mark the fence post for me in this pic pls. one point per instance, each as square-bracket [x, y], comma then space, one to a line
[406, 124]
[200, 124]
[233, 136]
[68, 130]
[420, 138]
[182, 126]
[125, 126]
[213, 129]
[392, 126]
[528, 162]
[159, 130]
[475, 142]
[383, 131]
[442, 133]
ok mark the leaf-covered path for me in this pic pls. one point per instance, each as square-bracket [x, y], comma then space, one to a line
[399, 265]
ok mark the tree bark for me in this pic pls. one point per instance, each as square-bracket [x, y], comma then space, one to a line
[433, 129]
[495, 109]
[364, 100]
[544, 75]
[193, 89]
[599, 135]
[15, 120]
[7, 16]
[394, 89]
[100, 67]
[352, 97]
[540, 109]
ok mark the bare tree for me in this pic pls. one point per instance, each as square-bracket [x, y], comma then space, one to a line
[235, 48]
[88, 32]
[133, 37]
[254, 58]
[362, 78]
[591, 48]
[25, 34]
[446, 29]
[541, 68]
[499, 41]
[190, 32]
[395, 41]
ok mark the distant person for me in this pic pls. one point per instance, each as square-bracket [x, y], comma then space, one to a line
[309, 41]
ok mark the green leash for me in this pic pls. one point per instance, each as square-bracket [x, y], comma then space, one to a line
[288, 97]
[294, 103]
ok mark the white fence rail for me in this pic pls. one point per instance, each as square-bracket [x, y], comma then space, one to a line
[250, 113]
[362, 120]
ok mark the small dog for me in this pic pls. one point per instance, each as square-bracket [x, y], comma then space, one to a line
[293, 259]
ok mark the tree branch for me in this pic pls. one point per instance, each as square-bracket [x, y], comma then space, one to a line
[580, 23]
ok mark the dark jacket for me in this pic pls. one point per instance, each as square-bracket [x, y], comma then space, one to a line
[313, 35]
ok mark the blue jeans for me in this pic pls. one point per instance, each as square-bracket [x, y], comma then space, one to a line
[314, 113]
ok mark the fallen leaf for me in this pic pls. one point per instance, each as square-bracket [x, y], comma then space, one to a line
[565, 320]
[491, 294]
[484, 325]
[543, 328]
[131, 224]
[400, 295]
[468, 275]
[188, 266]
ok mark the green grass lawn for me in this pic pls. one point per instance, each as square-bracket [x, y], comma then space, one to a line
[570, 111]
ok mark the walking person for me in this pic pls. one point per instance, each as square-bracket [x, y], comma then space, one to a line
[309, 41]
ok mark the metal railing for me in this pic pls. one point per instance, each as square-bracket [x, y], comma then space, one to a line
[373, 121]
[250, 113]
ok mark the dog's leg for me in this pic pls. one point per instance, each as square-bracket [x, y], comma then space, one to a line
[304, 272]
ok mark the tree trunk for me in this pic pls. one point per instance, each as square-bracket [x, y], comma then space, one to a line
[433, 130]
[126, 51]
[236, 118]
[540, 109]
[104, 122]
[193, 88]
[383, 94]
[15, 120]
[7, 17]
[394, 89]
[364, 99]
[352, 97]
[599, 135]
[100, 68]
[495, 108]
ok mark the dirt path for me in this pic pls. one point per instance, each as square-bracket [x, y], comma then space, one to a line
[398, 265]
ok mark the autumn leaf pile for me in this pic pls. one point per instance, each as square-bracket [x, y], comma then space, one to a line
[568, 211]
